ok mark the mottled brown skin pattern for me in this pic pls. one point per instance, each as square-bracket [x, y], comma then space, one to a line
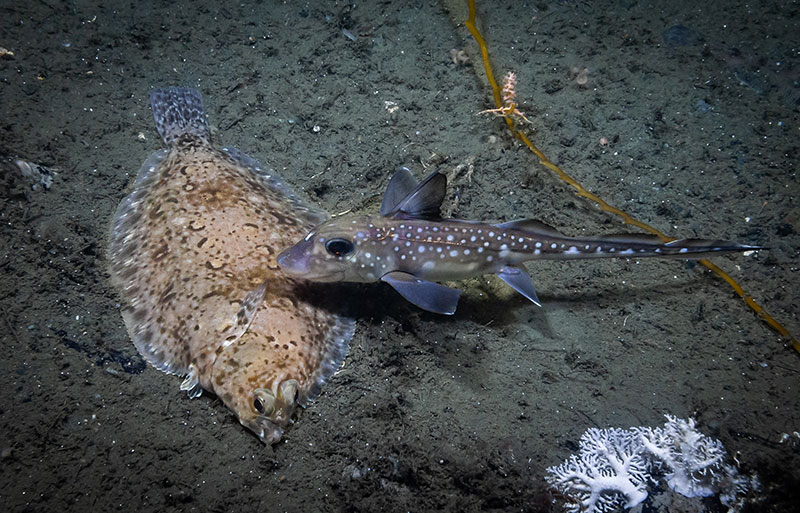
[204, 232]
[211, 233]
[287, 343]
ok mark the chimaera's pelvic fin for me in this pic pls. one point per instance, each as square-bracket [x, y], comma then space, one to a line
[520, 281]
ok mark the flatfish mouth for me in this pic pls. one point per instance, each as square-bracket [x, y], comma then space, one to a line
[192, 254]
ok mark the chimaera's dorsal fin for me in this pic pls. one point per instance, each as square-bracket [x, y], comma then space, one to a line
[401, 184]
[420, 200]
[531, 226]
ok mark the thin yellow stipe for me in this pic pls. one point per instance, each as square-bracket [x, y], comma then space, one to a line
[626, 218]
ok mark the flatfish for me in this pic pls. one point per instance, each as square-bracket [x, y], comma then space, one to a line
[193, 253]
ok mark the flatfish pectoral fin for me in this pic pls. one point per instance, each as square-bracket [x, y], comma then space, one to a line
[239, 324]
[520, 281]
[245, 315]
[425, 294]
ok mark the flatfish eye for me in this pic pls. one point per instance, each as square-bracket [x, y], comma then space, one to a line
[264, 402]
[339, 247]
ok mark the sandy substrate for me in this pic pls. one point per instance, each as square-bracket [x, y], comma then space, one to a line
[429, 413]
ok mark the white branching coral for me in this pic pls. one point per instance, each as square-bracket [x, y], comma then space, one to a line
[614, 467]
[610, 471]
[693, 460]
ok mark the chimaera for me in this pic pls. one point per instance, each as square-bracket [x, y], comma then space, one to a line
[410, 247]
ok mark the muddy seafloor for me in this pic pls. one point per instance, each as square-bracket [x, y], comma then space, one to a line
[429, 412]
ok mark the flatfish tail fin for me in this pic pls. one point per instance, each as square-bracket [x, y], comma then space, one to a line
[180, 116]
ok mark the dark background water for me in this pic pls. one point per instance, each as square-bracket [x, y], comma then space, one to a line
[699, 103]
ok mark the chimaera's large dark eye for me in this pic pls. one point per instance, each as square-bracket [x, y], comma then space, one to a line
[339, 247]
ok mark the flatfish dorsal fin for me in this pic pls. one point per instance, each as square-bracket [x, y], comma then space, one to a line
[269, 179]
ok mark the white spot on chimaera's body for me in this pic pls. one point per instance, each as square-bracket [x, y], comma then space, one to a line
[429, 265]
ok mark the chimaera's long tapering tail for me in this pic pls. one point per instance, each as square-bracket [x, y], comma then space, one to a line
[410, 247]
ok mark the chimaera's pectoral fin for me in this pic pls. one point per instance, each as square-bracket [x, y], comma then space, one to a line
[519, 280]
[425, 294]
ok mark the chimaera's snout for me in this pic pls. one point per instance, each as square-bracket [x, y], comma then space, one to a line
[304, 261]
[294, 261]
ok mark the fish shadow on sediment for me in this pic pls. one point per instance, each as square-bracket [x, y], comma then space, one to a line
[372, 304]
[489, 326]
